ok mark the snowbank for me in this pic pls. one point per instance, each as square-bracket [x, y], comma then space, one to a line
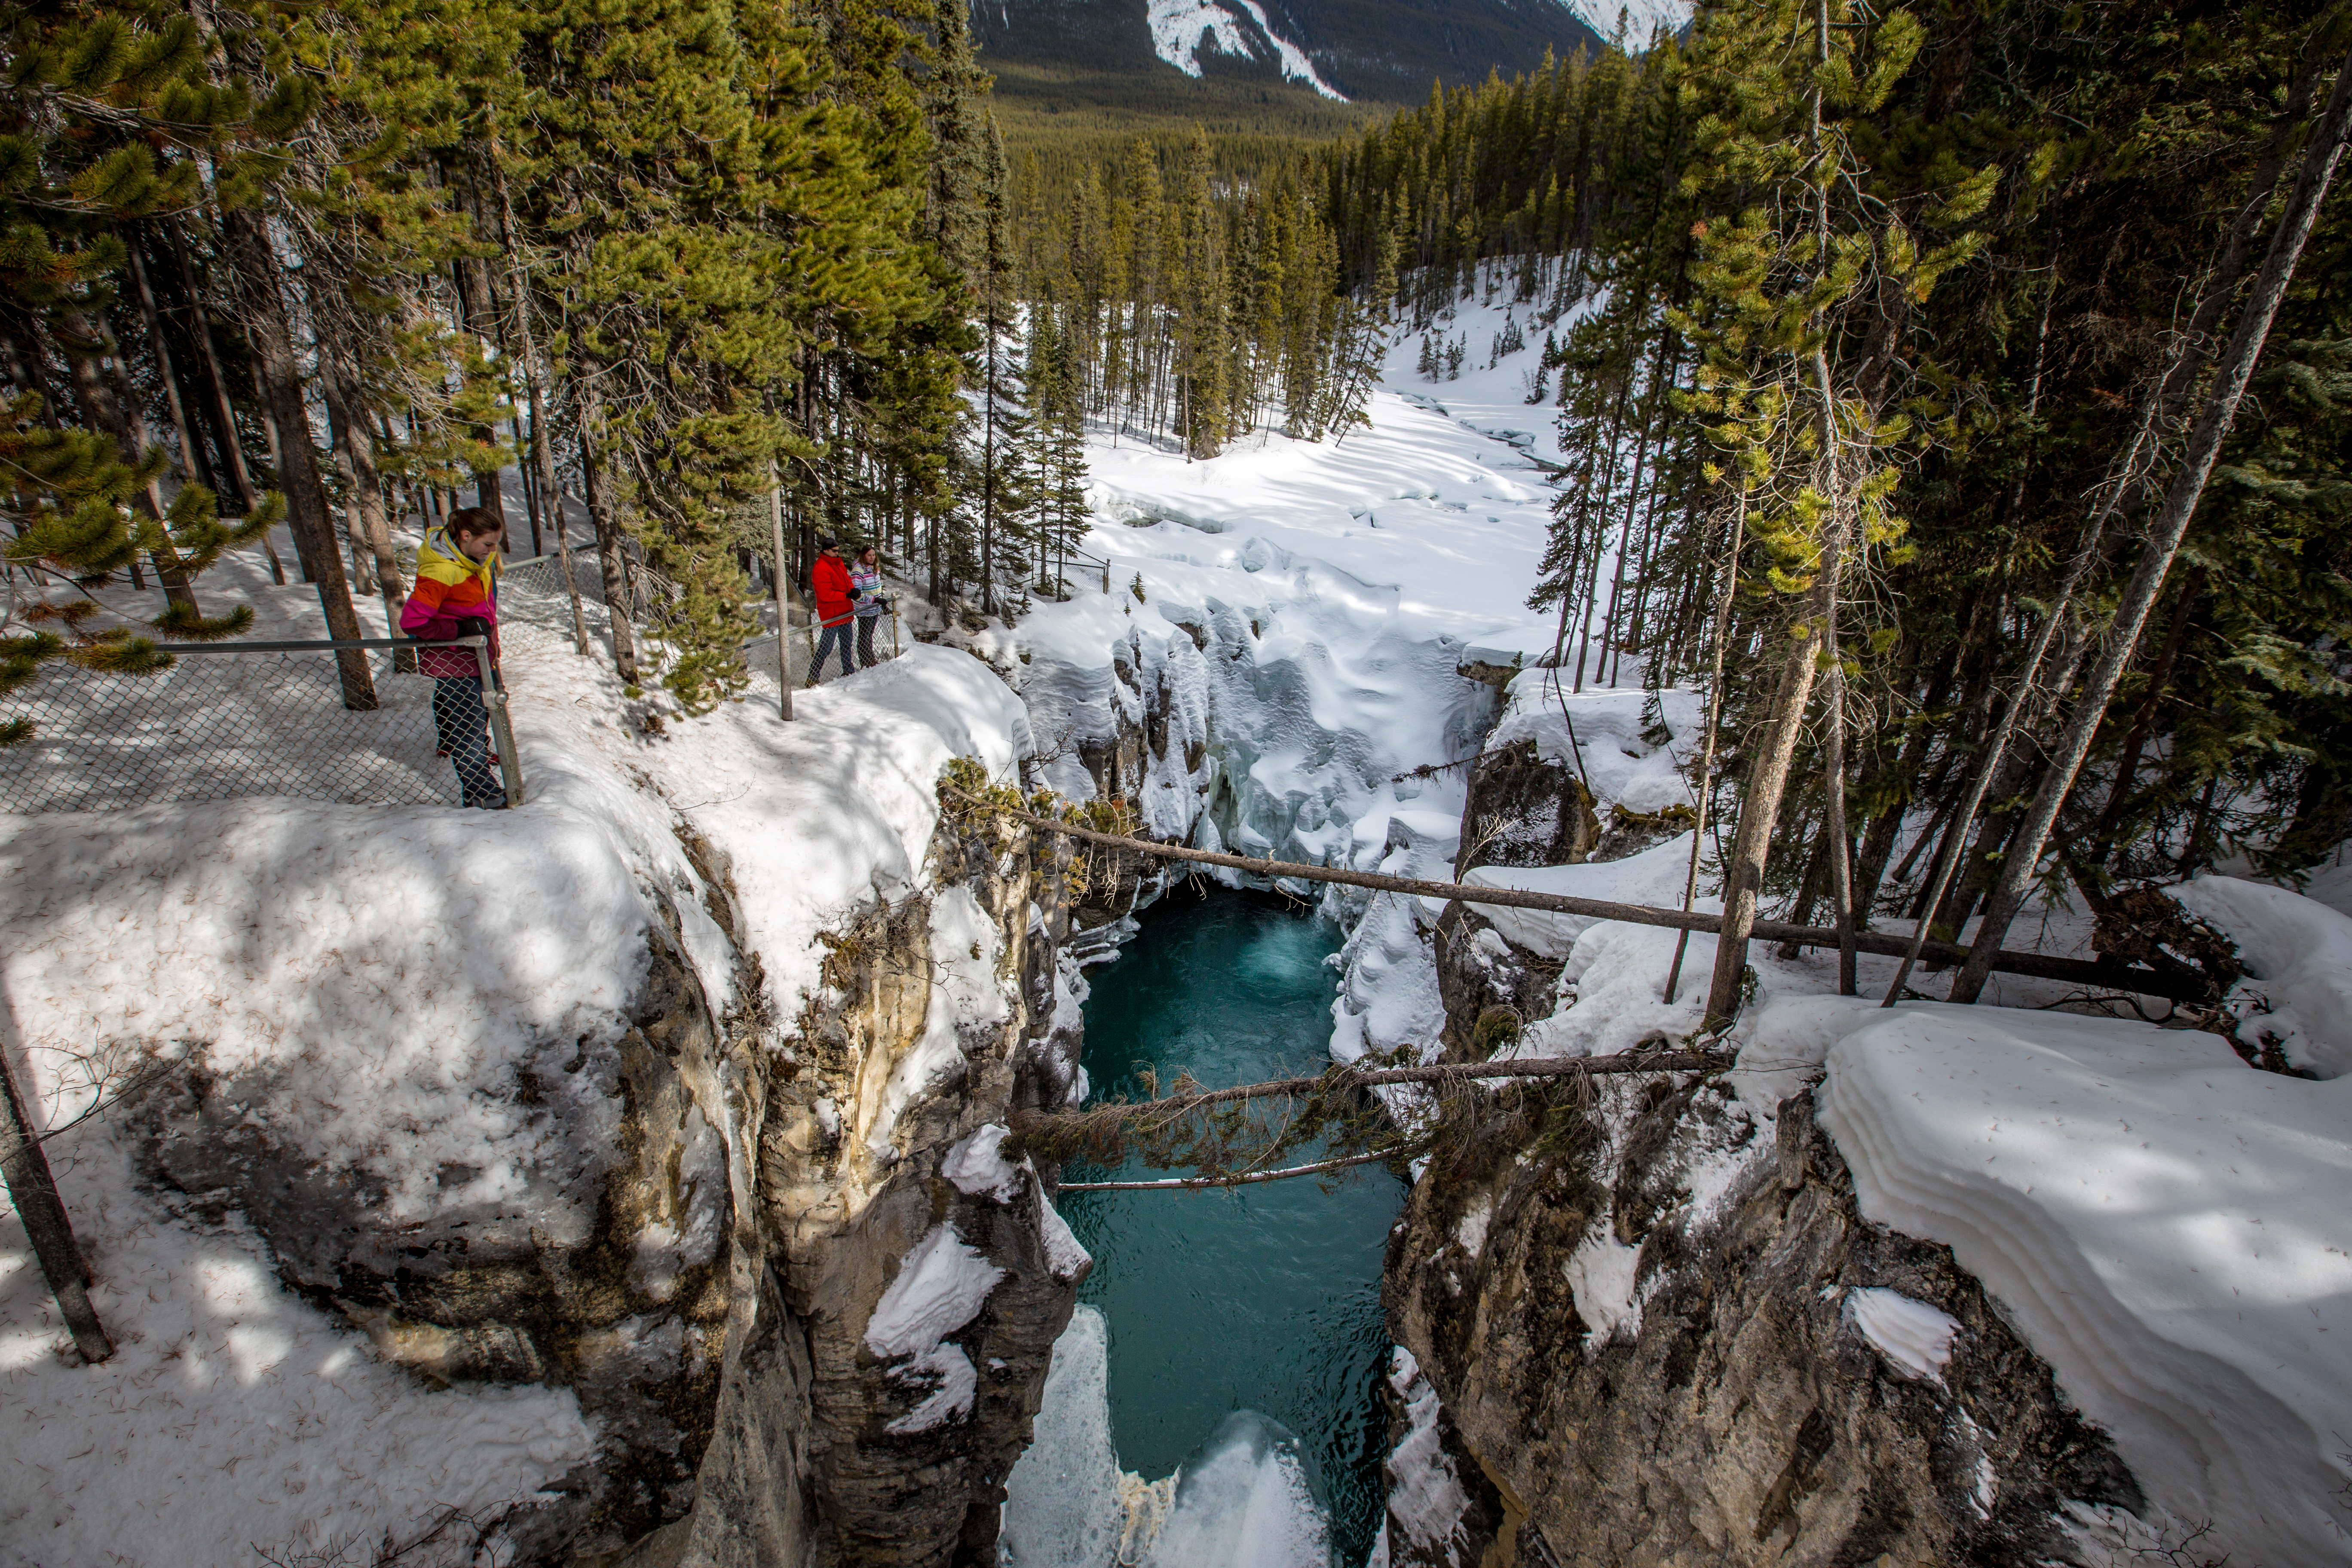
[233, 1417]
[1620, 757]
[820, 816]
[382, 974]
[426, 1001]
[2298, 957]
[2163, 1225]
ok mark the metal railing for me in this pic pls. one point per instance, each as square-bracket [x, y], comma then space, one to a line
[228, 719]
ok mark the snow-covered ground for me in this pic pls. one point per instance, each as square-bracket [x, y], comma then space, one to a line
[1303, 618]
[383, 975]
[2158, 1218]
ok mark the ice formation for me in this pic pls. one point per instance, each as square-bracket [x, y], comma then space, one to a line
[1426, 1499]
[1242, 1500]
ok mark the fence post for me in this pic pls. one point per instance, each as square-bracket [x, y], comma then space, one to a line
[34, 1192]
[783, 611]
[494, 700]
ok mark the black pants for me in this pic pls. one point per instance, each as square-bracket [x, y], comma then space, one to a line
[865, 659]
[464, 724]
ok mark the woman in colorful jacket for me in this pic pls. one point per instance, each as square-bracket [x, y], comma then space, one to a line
[829, 583]
[455, 596]
[866, 592]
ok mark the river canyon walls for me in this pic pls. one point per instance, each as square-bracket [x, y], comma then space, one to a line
[1654, 1329]
[712, 1207]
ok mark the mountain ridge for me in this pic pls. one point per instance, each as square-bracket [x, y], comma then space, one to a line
[1366, 51]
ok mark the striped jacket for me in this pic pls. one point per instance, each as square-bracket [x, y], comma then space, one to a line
[450, 586]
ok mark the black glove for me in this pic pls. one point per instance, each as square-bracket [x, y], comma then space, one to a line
[473, 627]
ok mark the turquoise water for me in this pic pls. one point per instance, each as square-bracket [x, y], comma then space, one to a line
[1262, 1298]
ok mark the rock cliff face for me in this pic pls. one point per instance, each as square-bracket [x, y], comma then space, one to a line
[852, 1180]
[608, 1273]
[1639, 1315]
[715, 1208]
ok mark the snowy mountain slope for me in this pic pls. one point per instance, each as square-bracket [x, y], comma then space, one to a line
[1641, 18]
[1183, 30]
[1364, 50]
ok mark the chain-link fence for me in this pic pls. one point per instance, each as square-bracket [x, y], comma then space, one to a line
[225, 721]
[239, 718]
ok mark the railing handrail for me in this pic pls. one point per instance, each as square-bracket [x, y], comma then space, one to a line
[320, 645]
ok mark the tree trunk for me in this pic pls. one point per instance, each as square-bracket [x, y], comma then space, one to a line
[2159, 677]
[541, 459]
[35, 1193]
[297, 465]
[2187, 488]
[1705, 787]
[355, 453]
[190, 457]
[1759, 806]
[589, 408]
[222, 411]
[106, 403]
[481, 319]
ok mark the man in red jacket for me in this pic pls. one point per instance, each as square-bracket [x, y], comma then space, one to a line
[829, 582]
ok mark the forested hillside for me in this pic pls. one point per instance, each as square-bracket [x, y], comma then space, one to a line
[1933, 327]
[1894, 357]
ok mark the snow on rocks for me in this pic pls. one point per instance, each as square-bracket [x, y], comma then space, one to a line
[822, 816]
[2162, 1224]
[941, 1285]
[965, 993]
[234, 1416]
[1916, 1337]
[2297, 992]
[1602, 1275]
[1616, 753]
[977, 1166]
[1426, 1498]
[1066, 1257]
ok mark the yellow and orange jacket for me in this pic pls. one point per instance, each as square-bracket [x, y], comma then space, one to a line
[450, 586]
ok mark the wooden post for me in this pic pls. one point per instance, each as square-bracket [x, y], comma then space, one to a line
[784, 610]
[35, 1193]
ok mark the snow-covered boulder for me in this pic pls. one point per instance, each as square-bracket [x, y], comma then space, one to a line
[2298, 993]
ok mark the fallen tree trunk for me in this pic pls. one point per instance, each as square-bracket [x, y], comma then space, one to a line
[1245, 1179]
[2071, 971]
[1032, 1129]
[1341, 1077]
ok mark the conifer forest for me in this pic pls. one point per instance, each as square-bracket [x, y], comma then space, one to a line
[1962, 394]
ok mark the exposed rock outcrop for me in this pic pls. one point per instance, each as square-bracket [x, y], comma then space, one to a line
[713, 1207]
[606, 1272]
[1640, 1318]
[1525, 811]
